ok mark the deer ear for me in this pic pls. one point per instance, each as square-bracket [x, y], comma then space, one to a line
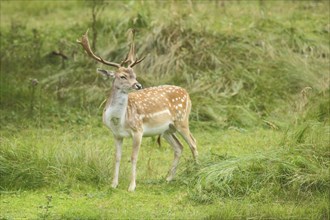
[107, 73]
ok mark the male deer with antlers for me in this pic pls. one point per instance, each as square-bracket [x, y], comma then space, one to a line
[134, 112]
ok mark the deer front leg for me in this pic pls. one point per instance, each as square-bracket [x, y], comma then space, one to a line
[137, 137]
[118, 144]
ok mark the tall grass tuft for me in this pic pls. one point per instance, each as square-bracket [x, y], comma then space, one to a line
[275, 173]
[39, 160]
[297, 167]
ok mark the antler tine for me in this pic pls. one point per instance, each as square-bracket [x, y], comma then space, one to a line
[137, 61]
[131, 54]
[85, 44]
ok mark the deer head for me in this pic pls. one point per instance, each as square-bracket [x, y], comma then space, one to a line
[124, 77]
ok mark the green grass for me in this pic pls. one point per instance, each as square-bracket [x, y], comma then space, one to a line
[258, 76]
[150, 203]
[76, 169]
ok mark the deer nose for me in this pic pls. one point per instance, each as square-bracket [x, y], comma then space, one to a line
[137, 86]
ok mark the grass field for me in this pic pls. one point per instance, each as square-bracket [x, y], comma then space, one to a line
[68, 178]
[258, 75]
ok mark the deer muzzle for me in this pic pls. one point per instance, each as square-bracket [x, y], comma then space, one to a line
[137, 86]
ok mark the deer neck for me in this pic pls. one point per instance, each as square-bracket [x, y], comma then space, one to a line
[118, 100]
[115, 110]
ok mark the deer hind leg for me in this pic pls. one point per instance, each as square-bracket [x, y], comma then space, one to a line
[183, 129]
[177, 147]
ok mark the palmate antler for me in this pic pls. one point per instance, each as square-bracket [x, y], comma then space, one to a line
[129, 58]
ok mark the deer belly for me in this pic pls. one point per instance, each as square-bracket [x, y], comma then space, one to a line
[156, 123]
[152, 129]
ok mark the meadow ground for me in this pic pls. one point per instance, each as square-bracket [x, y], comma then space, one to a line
[72, 173]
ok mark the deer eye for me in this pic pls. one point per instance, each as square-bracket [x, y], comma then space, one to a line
[123, 77]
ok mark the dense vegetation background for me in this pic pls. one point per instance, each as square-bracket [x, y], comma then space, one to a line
[257, 68]
[243, 62]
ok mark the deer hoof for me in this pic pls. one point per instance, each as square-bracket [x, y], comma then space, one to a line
[169, 178]
[114, 185]
[131, 188]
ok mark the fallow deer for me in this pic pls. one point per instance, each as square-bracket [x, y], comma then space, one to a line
[134, 112]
